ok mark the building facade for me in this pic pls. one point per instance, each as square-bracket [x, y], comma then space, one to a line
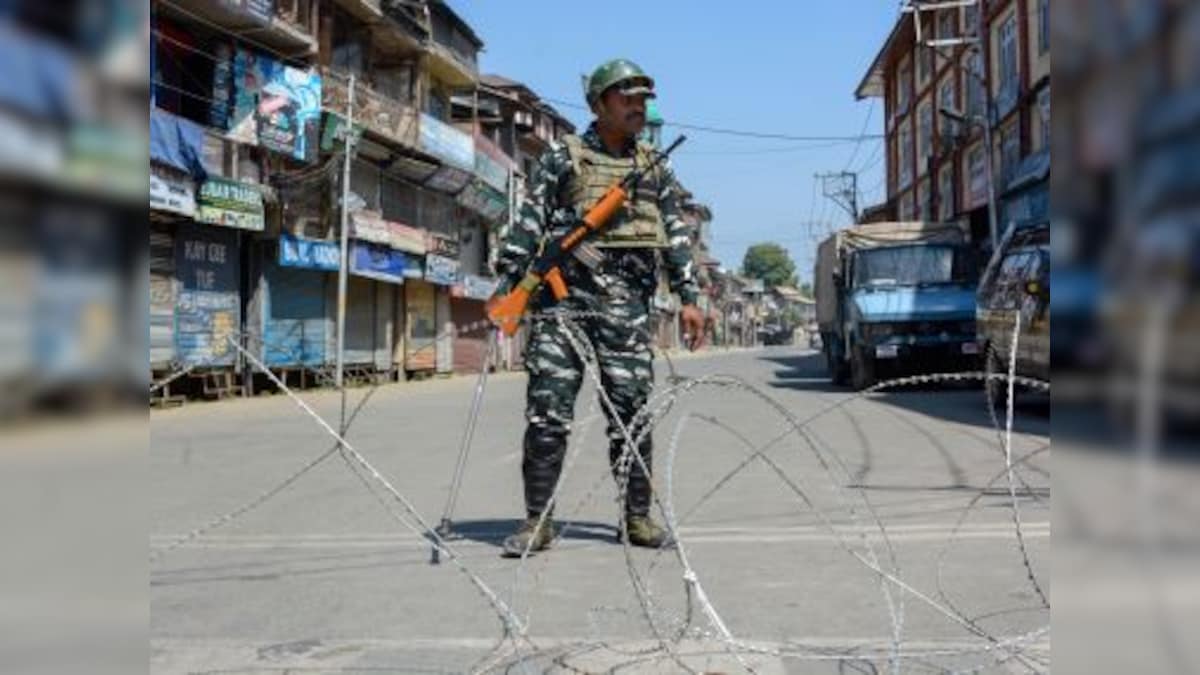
[254, 108]
[982, 63]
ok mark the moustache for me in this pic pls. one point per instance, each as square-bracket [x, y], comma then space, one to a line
[632, 117]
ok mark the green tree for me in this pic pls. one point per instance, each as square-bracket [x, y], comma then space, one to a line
[771, 263]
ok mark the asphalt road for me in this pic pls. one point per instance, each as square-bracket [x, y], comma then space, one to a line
[323, 577]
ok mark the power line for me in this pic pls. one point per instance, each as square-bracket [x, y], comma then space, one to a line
[734, 132]
[858, 145]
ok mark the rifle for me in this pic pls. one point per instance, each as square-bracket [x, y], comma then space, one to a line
[507, 311]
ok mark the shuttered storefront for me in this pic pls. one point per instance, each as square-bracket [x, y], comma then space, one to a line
[384, 304]
[360, 321]
[162, 296]
[469, 345]
[208, 307]
[420, 326]
[296, 316]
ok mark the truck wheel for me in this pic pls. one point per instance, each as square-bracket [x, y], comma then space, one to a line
[862, 369]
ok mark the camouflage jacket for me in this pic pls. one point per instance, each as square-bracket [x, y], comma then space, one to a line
[540, 217]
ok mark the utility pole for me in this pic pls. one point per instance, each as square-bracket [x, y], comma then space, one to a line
[344, 266]
[842, 188]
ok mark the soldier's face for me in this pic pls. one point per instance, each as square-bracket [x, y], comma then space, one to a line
[624, 112]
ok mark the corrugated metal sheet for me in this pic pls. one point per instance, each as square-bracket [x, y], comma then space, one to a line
[420, 326]
[360, 321]
[162, 299]
[445, 336]
[468, 347]
[295, 320]
[384, 304]
[208, 308]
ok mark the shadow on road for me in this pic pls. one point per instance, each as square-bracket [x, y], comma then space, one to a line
[493, 531]
[964, 403]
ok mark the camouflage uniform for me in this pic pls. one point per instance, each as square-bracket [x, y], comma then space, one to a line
[621, 289]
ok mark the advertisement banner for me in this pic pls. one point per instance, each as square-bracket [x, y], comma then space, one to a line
[441, 271]
[447, 143]
[311, 254]
[408, 239]
[491, 172]
[208, 306]
[443, 245]
[370, 226]
[275, 105]
[230, 203]
[333, 134]
[172, 191]
[476, 287]
[377, 262]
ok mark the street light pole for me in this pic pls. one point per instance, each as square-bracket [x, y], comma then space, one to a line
[344, 266]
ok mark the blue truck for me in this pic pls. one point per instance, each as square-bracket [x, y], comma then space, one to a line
[896, 298]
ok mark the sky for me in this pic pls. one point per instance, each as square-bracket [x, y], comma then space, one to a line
[781, 67]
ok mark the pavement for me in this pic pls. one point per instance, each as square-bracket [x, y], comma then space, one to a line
[325, 577]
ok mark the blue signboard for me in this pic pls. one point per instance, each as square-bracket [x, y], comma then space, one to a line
[447, 143]
[440, 270]
[312, 254]
[208, 307]
[377, 262]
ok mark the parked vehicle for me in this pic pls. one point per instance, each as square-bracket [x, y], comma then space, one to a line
[1016, 284]
[894, 298]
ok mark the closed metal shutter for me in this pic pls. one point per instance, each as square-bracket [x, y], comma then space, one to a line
[162, 297]
[295, 317]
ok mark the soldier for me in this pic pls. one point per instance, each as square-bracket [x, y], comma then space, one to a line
[617, 283]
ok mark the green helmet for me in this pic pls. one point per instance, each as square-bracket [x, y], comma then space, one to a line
[629, 75]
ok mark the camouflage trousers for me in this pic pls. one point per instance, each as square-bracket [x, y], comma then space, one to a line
[620, 291]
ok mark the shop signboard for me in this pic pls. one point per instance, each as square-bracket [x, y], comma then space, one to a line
[230, 203]
[309, 253]
[441, 271]
[172, 191]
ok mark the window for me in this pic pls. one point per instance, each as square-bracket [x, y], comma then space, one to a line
[972, 83]
[904, 155]
[903, 87]
[924, 65]
[904, 266]
[1007, 62]
[971, 20]
[924, 201]
[924, 135]
[1010, 154]
[947, 24]
[975, 175]
[906, 206]
[946, 101]
[1043, 26]
[946, 193]
[1043, 102]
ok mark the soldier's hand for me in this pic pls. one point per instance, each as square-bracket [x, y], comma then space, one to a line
[693, 326]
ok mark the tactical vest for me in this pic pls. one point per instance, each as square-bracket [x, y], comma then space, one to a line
[639, 224]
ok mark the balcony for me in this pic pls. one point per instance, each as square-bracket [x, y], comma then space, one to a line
[452, 66]
[453, 49]
[385, 117]
[285, 26]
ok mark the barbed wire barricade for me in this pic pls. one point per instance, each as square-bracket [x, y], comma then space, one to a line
[675, 636]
